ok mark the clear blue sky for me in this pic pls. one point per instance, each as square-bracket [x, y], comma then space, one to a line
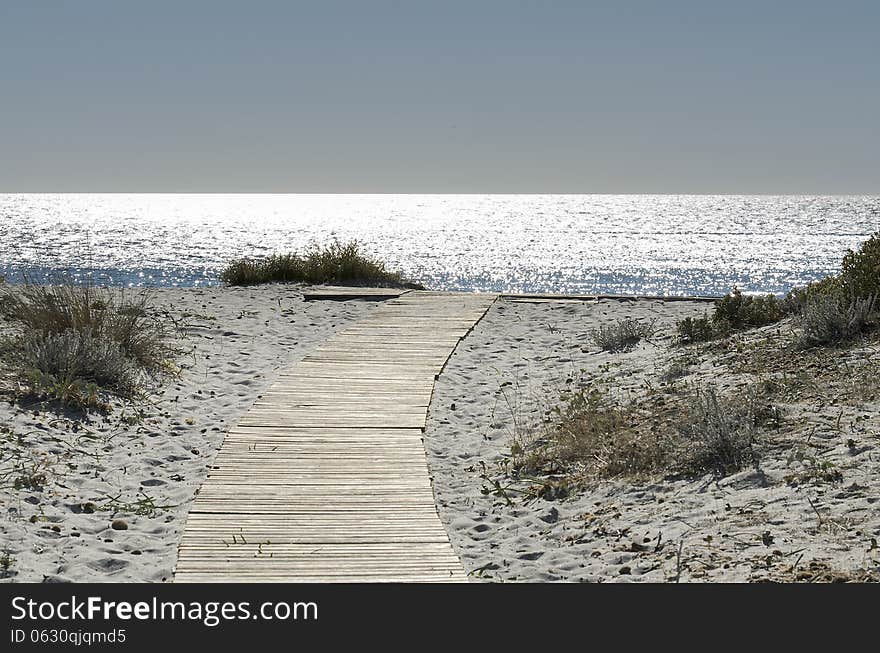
[443, 96]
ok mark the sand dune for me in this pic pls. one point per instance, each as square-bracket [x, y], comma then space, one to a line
[782, 522]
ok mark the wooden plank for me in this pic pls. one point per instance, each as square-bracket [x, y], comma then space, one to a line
[594, 297]
[375, 421]
[325, 477]
[344, 293]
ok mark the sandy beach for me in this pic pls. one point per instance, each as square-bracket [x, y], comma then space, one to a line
[116, 489]
[809, 512]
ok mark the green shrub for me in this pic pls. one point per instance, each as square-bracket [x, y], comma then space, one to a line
[797, 299]
[859, 278]
[335, 264]
[697, 329]
[747, 311]
[733, 312]
[860, 271]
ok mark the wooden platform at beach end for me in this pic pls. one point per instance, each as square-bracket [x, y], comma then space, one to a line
[551, 298]
[346, 293]
[325, 478]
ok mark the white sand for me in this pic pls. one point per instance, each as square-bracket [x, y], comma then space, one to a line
[238, 338]
[746, 527]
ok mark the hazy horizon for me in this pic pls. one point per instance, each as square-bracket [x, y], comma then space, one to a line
[490, 97]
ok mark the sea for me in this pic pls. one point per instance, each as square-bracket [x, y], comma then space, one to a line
[628, 244]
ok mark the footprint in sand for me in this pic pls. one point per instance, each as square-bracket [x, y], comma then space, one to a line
[108, 565]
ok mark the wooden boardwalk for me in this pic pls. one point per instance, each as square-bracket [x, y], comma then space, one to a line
[325, 478]
[343, 293]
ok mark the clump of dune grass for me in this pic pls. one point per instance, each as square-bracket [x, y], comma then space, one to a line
[335, 264]
[72, 355]
[73, 342]
[589, 431]
[249, 272]
[623, 335]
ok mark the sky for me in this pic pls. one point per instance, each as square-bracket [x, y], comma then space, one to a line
[440, 97]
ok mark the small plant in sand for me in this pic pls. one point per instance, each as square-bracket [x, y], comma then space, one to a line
[810, 468]
[71, 342]
[718, 433]
[623, 335]
[143, 505]
[21, 466]
[677, 368]
[6, 563]
[337, 263]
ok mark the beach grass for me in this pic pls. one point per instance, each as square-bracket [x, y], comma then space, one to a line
[338, 263]
[75, 342]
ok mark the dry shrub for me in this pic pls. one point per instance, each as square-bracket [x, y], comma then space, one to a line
[717, 434]
[828, 320]
[623, 335]
[72, 355]
[594, 436]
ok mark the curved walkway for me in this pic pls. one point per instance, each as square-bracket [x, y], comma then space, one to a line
[325, 478]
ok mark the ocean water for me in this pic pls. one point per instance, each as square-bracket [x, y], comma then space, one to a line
[657, 244]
